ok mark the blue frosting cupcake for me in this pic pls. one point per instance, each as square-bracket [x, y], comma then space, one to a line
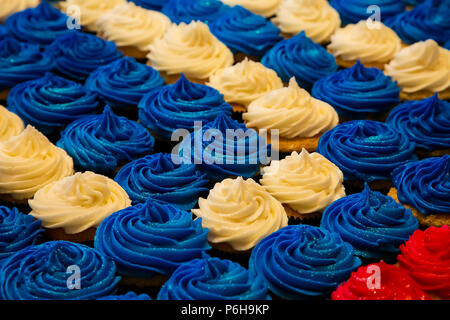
[366, 150]
[77, 54]
[40, 25]
[150, 4]
[151, 239]
[20, 62]
[123, 83]
[127, 296]
[374, 224]
[302, 58]
[42, 273]
[179, 105]
[428, 20]
[213, 279]
[245, 32]
[302, 261]
[3, 32]
[100, 143]
[158, 177]
[51, 102]
[187, 10]
[225, 147]
[358, 91]
[426, 122]
[17, 231]
[352, 11]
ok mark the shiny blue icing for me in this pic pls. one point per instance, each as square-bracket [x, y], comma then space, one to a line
[200, 10]
[150, 4]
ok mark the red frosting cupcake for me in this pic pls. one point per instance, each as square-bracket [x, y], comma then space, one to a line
[426, 257]
[379, 281]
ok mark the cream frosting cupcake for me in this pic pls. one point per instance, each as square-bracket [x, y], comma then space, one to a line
[299, 118]
[373, 46]
[421, 70]
[316, 17]
[9, 7]
[10, 124]
[190, 49]
[28, 162]
[132, 28]
[266, 8]
[305, 183]
[244, 82]
[90, 10]
[239, 213]
[73, 207]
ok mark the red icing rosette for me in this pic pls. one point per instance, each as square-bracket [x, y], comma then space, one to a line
[426, 257]
[379, 281]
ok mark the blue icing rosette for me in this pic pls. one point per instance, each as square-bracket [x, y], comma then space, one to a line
[40, 25]
[223, 148]
[302, 261]
[44, 272]
[366, 150]
[3, 32]
[302, 58]
[243, 31]
[424, 184]
[357, 91]
[127, 296]
[151, 239]
[51, 102]
[158, 177]
[426, 122]
[179, 105]
[150, 4]
[374, 224]
[20, 62]
[213, 279]
[77, 54]
[17, 231]
[352, 11]
[100, 143]
[428, 20]
[123, 83]
[200, 10]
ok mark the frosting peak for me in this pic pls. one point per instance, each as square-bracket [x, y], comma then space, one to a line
[10, 124]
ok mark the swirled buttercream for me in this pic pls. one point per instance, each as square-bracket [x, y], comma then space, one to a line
[10, 7]
[10, 124]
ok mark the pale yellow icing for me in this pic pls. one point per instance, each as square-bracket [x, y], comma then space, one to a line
[9, 7]
[10, 124]
[265, 8]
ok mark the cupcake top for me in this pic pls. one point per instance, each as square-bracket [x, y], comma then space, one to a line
[352, 11]
[190, 49]
[374, 224]
[51, 102]
[240, 213]
[3, 32]
[366, 150]
[10, 124]
[426, 258]
[357, 91]
[151, 239]
[302, 58]
[150, 4]
[40, 25]
[201, 10]
[28, 162]
[43, 271]
[421, 66]
[123, 83]
[366, 43]
[316, 17]
[266, 8]
[20, 62]
[17, 231]
[213, 279]
[292, 111]
[424, 184]
[245, 81]
[78, 202]
[245, 32]
[426, 122]
[303, 261]
[91, 10]
[10, 7]
[103, 142]
[306, 182]
[131, 25]
[158, 177]
[395, 284]
[130, 295]
[179, 105]
[77, 54]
